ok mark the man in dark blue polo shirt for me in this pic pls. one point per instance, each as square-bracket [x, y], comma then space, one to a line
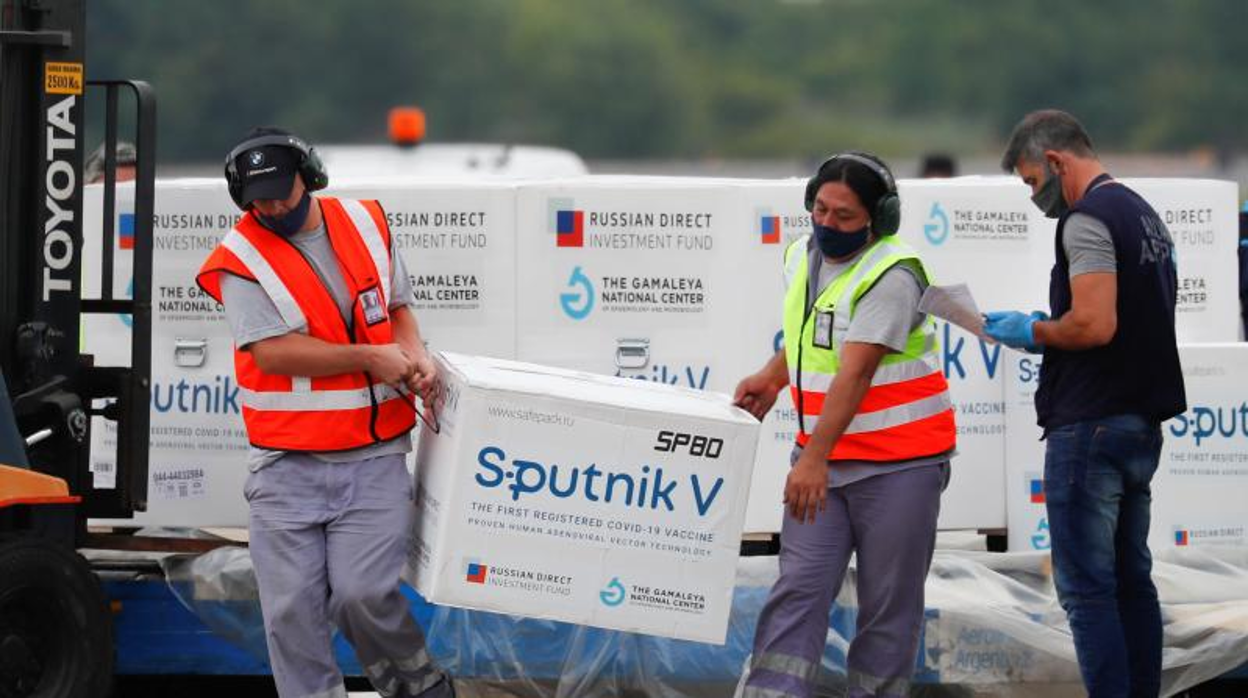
[1110, 376]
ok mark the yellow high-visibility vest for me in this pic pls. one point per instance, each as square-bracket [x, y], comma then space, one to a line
[907, 412]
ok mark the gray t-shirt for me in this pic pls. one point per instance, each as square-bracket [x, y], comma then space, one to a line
[252, 316]
[1088, 245]
[885, 315]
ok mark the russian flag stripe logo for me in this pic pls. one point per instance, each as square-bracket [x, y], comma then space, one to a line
[769, 228]
[477, 572]
[1036, 491]
[570, 228]
[1180, 537]
[125, 231]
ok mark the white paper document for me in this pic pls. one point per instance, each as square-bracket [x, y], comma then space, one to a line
[955, 304]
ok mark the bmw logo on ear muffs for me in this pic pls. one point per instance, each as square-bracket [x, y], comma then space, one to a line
[311, 168]
[886, 217]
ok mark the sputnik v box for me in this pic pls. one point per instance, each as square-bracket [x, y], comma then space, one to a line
[576, 497]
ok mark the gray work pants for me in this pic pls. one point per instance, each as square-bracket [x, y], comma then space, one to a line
[889, 520]
[328, 541]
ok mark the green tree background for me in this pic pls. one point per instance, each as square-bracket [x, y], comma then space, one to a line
[685, 78]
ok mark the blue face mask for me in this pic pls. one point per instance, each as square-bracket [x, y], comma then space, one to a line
[835, 243]
[290, 223]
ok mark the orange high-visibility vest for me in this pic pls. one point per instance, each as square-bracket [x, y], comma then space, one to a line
[907, 412]
[327, 413]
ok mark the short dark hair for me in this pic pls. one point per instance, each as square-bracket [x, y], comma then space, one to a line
[1046, 129]
[938, 165]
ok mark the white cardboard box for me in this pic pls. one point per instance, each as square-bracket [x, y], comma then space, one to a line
[492, 278]
[662, 279]
[456, 238]
[1198, 489]
[589, 499]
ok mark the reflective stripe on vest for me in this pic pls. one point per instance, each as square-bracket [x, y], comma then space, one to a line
[324, 413]
[255, 262]
[907, 411]
[885, 374]
[367, 228]
[319, 400]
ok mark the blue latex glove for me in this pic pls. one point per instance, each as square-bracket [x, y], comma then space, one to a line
[1014, 329]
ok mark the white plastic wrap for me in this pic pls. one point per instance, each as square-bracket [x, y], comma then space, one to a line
[993, 623]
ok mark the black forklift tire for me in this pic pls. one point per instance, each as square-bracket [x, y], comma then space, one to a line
[55, 627]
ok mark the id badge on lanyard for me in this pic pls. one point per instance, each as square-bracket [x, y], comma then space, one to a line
[370, 302]
[823, 328]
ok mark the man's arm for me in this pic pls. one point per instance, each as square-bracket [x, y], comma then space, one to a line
[1092, 319]
[757, 393]
[295, 354]
[423, 378]
[1093, 316]
[1093, 264]
[406, 330]
[279, 349]
[807, 488]
[858, 364]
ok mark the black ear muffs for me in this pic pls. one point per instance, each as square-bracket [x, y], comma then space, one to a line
[311, 169]
[886, 216]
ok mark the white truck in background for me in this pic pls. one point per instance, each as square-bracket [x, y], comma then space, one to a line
[409, 155]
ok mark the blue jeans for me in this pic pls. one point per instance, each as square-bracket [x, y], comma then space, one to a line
[1096, 482]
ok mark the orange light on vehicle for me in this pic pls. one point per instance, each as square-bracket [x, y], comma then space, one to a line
[407, 125]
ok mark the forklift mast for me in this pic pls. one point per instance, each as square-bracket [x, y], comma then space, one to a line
[54, 387]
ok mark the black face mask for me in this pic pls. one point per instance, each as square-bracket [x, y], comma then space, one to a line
[290, 223]
[835, 243]
[1049, 199]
